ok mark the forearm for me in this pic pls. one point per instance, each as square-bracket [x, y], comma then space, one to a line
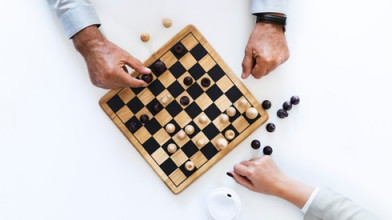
[294, 192]
[88, 38]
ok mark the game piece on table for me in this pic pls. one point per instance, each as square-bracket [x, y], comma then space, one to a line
[224, 118]
[267, 150]
[172, 148]
[188, 80]
[221, 143]
[167, 22]
[270, 127]
[281, 113]
[159, 66]
[205, 82]
[229, 134]
[287, 106]
[184, 100]
[266, 104]
[170, 128]
[294, 100]
[146, 78]
[251, 113]
[189, 129]
[195, 58]
[231, 111]
[181, 134]
[145, 37]
[144, 118]
[189, 165]
[255, 144]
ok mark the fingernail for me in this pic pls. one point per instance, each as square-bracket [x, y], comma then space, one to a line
[147, 69]
[229, 174]
[243, 75]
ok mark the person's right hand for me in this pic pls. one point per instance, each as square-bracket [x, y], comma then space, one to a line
[263, 176]
[106, 61]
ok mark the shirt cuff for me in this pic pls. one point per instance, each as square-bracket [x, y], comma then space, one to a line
[263, 6]
[310, 200]
[78, 18]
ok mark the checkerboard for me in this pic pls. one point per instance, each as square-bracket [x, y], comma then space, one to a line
[198, 60]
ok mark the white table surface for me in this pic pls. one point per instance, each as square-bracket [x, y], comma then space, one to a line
[62, 158]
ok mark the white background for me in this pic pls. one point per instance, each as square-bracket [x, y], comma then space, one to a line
[62, 158]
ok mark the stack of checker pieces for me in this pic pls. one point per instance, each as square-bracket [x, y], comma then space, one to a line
[199, 60]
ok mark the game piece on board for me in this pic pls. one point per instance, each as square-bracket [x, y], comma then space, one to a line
[188, 80]
[165, 99]
[243, 102]
[178, 49]
[170, 128]
[294, 100]
[229, 134]
[189, 166]
[267, 150]
[266, 104]
[146, 78]
[224, 118]
[255, 144]
[145, 37]
[281, 113]
[132, 126]
[144, 118]
[157, 107]
[189, 129]
[159, 66]
[200, 143]
[221, 143]
[231, 111]
[287, 106]
[251, 113]
[270, 127]
[205, 82]
[172, 148]
[167, 22]
[181, 134]
[184, 100]
[203, 119]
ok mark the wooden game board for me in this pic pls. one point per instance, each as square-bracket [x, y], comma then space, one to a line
[199, 60]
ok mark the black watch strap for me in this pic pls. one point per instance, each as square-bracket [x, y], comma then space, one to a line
[272, 18]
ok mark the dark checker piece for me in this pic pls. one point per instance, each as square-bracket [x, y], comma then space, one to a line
[282, 113]
[266, 104]
[188, 80]
[184, 100]
[294, 100]
[157, 107]
[267, 150]
[255, 144]
[159, 66]
[205, 82]
[178, 49]
[287, 106]
[132, 126]
[144, 118]
[270, 127]
[147, 78]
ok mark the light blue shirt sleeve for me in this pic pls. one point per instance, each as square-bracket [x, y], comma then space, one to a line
[263, 6]
[75, 15]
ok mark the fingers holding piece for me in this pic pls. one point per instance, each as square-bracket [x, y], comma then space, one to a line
[247, 64]
[136, 65]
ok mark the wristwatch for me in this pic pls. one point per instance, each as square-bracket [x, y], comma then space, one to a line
[272, 18]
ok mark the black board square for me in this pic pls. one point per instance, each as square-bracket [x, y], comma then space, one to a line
[115, 103]
[175, 89]
[198, 52]
[156, 87]
[212, 112]
[193, 110]
[173, 108]
[216, 73]
[151, 145]
[214, 92]
[189, 148]
[168, 166]
[233, 94]
[196, 71]
[185, 171]
[209, 150]
[211, 131]
[195, 91]
[150, 106]
[135, 121]
[135, 105]
[152, 126]
[137, 90]
[177, 70]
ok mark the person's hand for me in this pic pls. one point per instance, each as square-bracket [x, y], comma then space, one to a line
[265, 51]
[263, 176]
[106, 61]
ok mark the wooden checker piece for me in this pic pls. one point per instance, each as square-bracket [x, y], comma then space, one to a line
[186, 54]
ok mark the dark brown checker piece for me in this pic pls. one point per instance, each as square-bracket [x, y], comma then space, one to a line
[213, 89]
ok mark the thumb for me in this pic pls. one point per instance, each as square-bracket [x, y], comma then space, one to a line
[126, 80]
[136, 64]
[247, 64]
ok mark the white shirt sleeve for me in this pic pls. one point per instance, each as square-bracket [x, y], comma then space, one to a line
[262, 6]
[310, 200]
[75, 15]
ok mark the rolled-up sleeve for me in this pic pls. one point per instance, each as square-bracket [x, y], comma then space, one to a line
[75, 15]
[263, 6]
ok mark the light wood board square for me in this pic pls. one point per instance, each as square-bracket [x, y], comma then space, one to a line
[180, 142]
[189, 42]
[163, 117]
[188, 61]
[220, 125]
[124, 114]
[167, 79]
[169, 59]
[243, 108]
[160, 156]
[240, 124]
[200, 136]
[146, 96]
[224, 83]
[182, 119]
[177, 177]
[203, 101]
[205, 76]
[179, 157]
[207, 62]
[223, 103]
[142, 134]
[198, 159]
[161, 136]
[126, 95]
[185, 93]
[199, 124]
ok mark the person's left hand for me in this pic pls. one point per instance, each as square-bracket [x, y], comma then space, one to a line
[265, 51]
